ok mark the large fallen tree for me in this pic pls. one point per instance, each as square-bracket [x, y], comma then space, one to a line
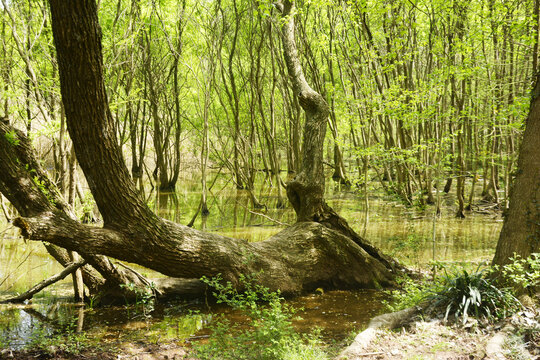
[319, 250]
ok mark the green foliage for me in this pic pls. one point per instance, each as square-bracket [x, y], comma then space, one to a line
[68, 340]
[12, 137]
[269, 334]
[42, 186]
[144, 296]
[41, 183]
[460, 294]
[465, 294]
[523, 273]
[410, 293]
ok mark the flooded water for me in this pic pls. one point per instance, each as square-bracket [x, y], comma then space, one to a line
[406, 233]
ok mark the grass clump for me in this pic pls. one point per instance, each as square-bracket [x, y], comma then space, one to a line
[465, 294]
[269, 334]
[460, 294]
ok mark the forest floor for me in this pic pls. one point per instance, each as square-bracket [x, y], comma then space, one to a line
[133, 351]
[433, 340]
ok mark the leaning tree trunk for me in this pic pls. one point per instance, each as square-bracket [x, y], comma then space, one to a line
[27, 187]
[521, 230]
[300, 258]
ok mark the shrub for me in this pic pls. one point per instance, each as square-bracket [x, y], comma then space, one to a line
[464, 294]
[460, 294]
[523, 273]
[269, 334]
[410, 293]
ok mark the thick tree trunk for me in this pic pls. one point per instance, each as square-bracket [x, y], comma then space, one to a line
[521, 230]
[27, 187]
[300, 258]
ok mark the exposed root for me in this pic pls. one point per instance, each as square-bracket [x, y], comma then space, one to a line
[385, 321]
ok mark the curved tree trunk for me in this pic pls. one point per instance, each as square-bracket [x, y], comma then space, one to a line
[306, 190]
[300, 258]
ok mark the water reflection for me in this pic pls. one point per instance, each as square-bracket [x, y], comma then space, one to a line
[405, 233]
[21, 325]
[335, 313]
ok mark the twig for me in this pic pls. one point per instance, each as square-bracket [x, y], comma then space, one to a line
[268, 218]
[371, 353]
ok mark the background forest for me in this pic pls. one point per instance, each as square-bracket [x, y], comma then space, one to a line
[422, 94]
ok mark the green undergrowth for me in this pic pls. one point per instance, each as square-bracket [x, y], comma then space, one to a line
[268, 335]
[487, 293]
[67, 340]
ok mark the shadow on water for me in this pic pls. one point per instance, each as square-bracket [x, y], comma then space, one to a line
[406, 233]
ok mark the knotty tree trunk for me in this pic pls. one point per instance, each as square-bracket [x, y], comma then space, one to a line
[305, 256]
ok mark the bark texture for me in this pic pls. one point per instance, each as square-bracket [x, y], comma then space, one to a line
[306, 190]
[521, 230]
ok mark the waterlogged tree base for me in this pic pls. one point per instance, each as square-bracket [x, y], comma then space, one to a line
[300, 258]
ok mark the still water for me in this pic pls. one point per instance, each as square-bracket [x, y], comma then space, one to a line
[406, 233]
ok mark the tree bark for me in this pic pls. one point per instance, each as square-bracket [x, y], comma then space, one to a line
[306, 190]
[521, 229]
